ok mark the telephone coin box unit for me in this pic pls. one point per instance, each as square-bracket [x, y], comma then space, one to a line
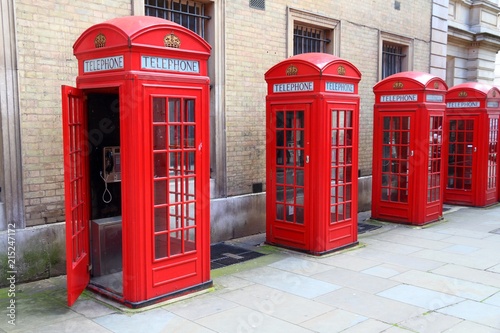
[471, 155]
[111, 164]
[407, 146]
[312, 113]
[138, 119]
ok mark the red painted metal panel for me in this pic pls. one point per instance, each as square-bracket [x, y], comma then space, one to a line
[155, 66]
[471, 157]
[407, 148]
[312, 153]
[76, 192]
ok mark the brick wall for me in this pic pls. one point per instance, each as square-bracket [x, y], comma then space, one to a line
[46, 31]
[256, 40]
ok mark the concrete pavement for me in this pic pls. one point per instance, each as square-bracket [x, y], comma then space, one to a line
[444, 277]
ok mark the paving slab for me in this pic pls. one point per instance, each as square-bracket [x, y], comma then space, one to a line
[369, 325]
[355, 280]
[481, 313]
[348, 260]
[490, 243]
[333, 321]
[471, 327]
[430, 322]
[378, 244]
[385, 257]
[242, 319]
[152, 321]
[488, 278]
[420, 242]
[385, 270]
[199, 307]
[371, 306]
[448, 285]
[276, 303]
[89, 308]
[79, 324]
[288, 282]
[302, 266]
[479, 261]
[421, 297]
[493, 300]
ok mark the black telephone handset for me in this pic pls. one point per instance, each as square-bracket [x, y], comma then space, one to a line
[110, 163]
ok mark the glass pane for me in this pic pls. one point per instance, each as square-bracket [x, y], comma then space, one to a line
[159, 109]
[160, 246]
[190, 214]
[280, 210]
[174, 110]
[160, 165]
[189, 112]
[175, 243]
[160, 192]
[280, 193]
[189, 240]
[189, 160]
[300, 215]
[159, 137]
[175, 190]
[189, 136]
[160, 219]
[279, 119]
[175, 163]
[175, 217]
[175, 136]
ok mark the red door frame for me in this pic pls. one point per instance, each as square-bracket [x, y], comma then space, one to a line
[462, 196]
[175, 272]
[395, 211]
[342, 231]
[285, 233]
[76, 194]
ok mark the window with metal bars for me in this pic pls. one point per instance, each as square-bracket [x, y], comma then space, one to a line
[189, 14]
[393, 58]
[309, 39]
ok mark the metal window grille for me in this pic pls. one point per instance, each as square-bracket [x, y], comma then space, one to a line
[190, 14]
[392, 59]
[258, 4]
[309, 39]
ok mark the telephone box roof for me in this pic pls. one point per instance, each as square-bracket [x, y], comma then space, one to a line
[313, 64]
[132, 31]
[411, 80]
[476, 87]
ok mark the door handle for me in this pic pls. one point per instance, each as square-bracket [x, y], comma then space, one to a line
[307, 159]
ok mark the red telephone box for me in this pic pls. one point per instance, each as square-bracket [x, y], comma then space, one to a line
[312, 153]
[472, 113]
[136, 168]
[408, 131]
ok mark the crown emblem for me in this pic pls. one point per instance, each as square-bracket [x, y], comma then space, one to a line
[292, 70]
[436, 85]
[172, 40]
[341, 70]
[398, 85]
[100, 40]
[462, 94]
